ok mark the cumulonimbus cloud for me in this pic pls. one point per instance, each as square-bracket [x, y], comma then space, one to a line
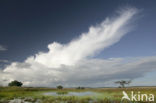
[97, 38]
[69, 63]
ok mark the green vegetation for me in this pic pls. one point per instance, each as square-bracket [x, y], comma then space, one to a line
[62, 92]
[15, 83]
[104, 95]
[123, 83]
[80, 87]
[60, 87]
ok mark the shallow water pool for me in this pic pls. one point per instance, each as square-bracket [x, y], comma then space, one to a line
[88, 93]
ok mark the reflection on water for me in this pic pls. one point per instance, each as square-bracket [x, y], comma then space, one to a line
[88, 93]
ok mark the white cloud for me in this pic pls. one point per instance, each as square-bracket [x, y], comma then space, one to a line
[69, 64]
[93, 72]
[2, 48]
[97, 38]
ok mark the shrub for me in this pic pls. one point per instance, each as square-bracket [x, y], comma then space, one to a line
[80, 88]
[59, 87]
[15, 83]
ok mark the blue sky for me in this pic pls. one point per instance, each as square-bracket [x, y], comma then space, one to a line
[28, 27]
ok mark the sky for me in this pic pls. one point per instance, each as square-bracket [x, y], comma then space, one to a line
[78, 43]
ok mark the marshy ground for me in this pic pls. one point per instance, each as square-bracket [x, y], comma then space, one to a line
[69, 95]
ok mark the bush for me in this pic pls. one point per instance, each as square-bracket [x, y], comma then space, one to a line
[15, 83]
[80, 88]
[59, 87]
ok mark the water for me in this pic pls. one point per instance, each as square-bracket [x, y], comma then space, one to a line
[25, 100]
[88, 93]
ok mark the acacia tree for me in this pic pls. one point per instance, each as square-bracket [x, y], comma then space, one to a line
[15, 83]
[123, 83]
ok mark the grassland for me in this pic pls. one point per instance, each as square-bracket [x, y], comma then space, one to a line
[35, 95]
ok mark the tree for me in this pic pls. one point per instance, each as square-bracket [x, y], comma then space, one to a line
[59, 87]
[15, 83]
[80, 87]
[123, 83]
